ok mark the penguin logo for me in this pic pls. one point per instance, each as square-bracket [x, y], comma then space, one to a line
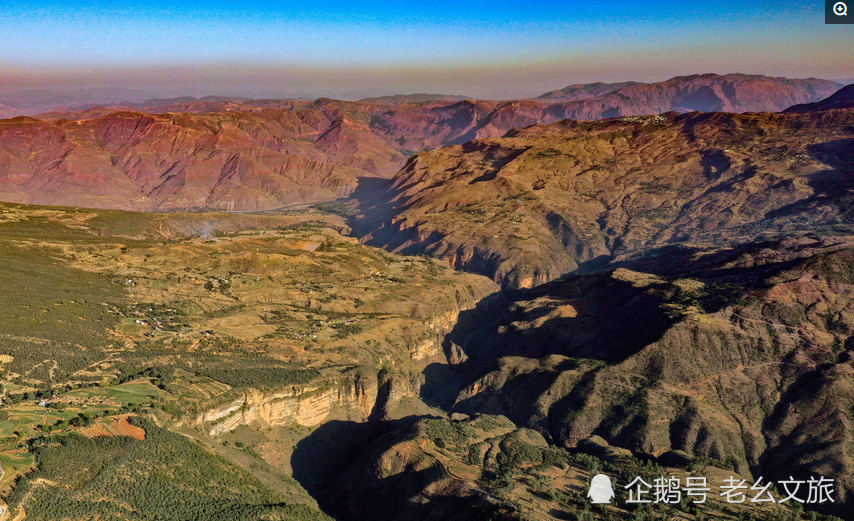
[601, 491]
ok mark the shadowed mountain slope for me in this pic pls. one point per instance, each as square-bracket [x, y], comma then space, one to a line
[743, 356]
[545, 200]
[841, 99]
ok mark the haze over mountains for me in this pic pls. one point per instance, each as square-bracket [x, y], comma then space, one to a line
[708, 92]
[239, 154]
[700, 92]
[32, 101]
[663, 280]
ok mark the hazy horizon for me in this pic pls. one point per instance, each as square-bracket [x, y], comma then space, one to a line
[480, 49]
[130, 91]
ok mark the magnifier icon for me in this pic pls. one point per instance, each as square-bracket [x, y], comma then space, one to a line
[840, 9]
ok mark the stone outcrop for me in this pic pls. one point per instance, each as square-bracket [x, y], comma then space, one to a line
[355, 395]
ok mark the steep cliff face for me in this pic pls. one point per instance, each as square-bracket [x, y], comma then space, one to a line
[359, 394]
[356, 396]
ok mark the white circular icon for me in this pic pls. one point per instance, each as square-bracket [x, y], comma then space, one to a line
[840, 9]
[601, 492]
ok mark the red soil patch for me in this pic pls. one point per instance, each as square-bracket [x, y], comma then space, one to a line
[119, 427]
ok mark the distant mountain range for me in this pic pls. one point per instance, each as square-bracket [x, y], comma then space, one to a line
[672, 279]
[702, 92]
[33, 101]
[243, 154]
[228, 161]
[414, 98]
[708, 92]
[578, 91]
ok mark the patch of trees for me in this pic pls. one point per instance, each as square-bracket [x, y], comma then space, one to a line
[260, 377]
[165, 477]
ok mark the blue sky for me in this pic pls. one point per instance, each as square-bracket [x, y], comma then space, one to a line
[497, 49]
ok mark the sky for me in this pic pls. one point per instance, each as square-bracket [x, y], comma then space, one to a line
[487, 49]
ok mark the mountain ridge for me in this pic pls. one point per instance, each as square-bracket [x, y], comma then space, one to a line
[841, 99]
[588, 193]
[290, 151]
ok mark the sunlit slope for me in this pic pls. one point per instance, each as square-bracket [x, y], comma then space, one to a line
[109, 315]
[543, 201]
